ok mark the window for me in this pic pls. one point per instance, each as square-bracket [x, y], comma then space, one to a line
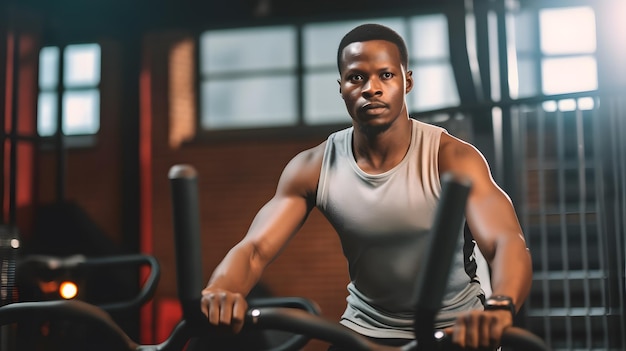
[248, 77]
[568, 44]
[435, 86]
[555, 51]
[78, 90]
[283, 76]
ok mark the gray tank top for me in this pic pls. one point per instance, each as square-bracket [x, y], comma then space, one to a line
[383, 221]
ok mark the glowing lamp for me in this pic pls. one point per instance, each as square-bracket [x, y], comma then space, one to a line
[68, 290]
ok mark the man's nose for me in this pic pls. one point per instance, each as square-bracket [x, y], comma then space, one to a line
[372, 87]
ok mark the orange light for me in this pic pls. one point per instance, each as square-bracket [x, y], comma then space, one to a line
[48, 287]
[68, 290]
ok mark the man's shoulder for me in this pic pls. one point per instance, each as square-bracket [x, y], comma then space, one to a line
[302, 172]
[314, 152]
[313, 157]
[309, 159]
[459, 156]
[451, 146]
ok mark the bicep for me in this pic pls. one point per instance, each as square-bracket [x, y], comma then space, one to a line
[490, 213]
[491, 217]
[275, 223]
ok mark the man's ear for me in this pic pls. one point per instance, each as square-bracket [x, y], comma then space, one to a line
[339, 82]
[409, 81]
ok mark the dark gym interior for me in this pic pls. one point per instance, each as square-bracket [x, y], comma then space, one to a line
[558, 150]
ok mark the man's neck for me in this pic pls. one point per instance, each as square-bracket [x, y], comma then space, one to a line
[379, 150]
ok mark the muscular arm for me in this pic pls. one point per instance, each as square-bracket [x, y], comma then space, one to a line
[223, 300]
[242, 267]
[493, 223]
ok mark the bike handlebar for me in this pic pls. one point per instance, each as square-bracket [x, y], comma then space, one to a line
[194, 325]
[301, 322]
[74, 310]
[31, 263]
[294, 315]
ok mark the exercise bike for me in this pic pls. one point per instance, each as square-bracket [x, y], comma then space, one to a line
[294, 315]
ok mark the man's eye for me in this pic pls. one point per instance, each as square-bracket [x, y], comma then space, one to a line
[356, 77]
[387, 75]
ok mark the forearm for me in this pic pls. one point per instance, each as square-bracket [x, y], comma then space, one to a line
[239, 271]
[511, 269]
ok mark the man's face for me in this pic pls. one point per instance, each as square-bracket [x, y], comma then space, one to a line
[373, 82]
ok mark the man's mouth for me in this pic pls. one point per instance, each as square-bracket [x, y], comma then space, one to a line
[374, 107]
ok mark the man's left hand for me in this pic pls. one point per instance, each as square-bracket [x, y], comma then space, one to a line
[480, 330]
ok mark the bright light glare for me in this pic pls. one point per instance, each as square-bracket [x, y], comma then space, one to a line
[586, 103]
[617, 22]
[549, 106]
[82, 65]
[567, 105]
[81, 111]
[571, 74]
[68, 290]
[568, 31]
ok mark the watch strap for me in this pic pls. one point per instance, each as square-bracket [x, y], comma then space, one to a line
[499, 303]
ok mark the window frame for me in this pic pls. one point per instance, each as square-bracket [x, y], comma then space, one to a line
[59, 138]
[537, 57]
[301, 128]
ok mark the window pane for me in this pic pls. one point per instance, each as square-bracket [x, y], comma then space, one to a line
[49, 67]
[549, 106]
[494, 54]
[434, 87]
[527, 77]
[236, 50]
[525, 32]
[567, 75]
[568, 31]
[81, 112]
[253, 102]
[323, 103]
[47, 114]
[567, 105]
[321, 40]
[429, 37]
[82, 65]
[586, 103]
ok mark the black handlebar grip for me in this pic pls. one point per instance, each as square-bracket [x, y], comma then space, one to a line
[186, 219]
[438, 256]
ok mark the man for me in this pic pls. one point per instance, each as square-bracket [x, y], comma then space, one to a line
[378, 183]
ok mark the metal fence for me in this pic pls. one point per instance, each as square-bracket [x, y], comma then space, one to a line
[569, 184]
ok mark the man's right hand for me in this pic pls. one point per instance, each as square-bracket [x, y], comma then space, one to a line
[224, 308]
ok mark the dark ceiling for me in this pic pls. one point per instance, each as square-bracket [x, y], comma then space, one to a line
[130, 15]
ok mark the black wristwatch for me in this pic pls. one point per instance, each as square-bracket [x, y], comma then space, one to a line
[500, 302]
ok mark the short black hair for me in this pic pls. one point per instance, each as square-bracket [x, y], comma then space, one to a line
[373, 31]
